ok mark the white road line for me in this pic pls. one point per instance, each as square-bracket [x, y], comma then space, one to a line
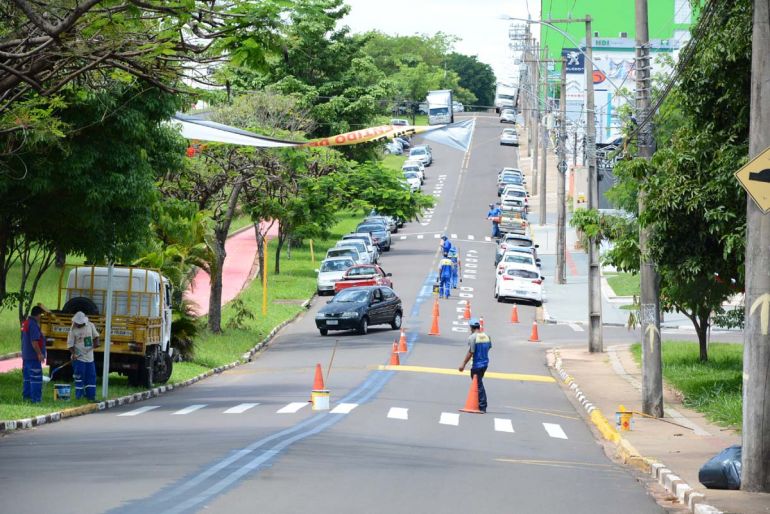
[454, 236]
[487, 239]
[402, 238]
[436, 236]
[554, 430]
[240, 409]
[576, 327]
[291, 408]
[421, 236]
[344, 408]
[188, 410]
[140, 410]
[471, 237]
[449, 418]
[398, 413]
[503, 425]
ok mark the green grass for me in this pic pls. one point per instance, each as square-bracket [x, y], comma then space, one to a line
[712, 388]
[286, 291]
[624, 284]
[394, 162]
[240, 221]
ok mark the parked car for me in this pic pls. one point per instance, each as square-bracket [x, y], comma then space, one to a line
[405, 144]
[513, 220]
[359, 245]
[511, 171]
[514, 241]
[399, 221]
[520, 283]
[345, 251]
[458, 107]
[508, 116]
[512, 257]
[509, 137]
[379, 232]
[422, 154]
[417, 163]
[365, 275]
[388, 221]
[399, 122]
[358, 308]
[422, 108]
[517, 192]
[330, 271]
[413, 168]
[371, 248]
[508, 180]
[392, 148]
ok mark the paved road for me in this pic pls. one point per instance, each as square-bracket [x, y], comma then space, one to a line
[395, 442]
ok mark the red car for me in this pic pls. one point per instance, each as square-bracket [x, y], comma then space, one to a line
[363, 275]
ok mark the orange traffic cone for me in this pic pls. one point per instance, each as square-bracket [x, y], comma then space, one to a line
[534, 337]
[434, 326]
[318, 383]
[481, 323]
[514, 314]
[402, 348]
[467, 313]
[435, 308]
[394, 360]
[472, 402]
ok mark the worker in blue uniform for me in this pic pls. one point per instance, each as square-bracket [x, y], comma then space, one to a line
[493, 215]
[445, 277]
[32, 354]
[454, 256]
[445, 245]
[479, 345]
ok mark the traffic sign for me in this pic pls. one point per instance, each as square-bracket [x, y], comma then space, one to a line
[755, 179]
[562, 166]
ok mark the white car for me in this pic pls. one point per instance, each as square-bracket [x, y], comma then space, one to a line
[371, 248]
[415, 162]
[413, 179]
[345, 251]
[359, 245]
[520, 282]
[399, 122]
[509, 137]
[508, 116]
[413, 168]
[422, 154]
[458, 107]
[514, 258]
[331, 271]
[511, 171]
[518, 192]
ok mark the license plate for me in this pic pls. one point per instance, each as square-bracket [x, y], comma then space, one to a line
[332, 322]
[521, 292]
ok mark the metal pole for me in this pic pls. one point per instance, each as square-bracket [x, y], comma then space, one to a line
[542, 176]
[652, 370]
[756, 349]
[561, 206]
[535, 127]
[595, 339]
[107, 333]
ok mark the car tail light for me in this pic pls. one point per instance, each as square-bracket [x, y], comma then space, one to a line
[523, 223]
[507, 277]
[504, 246]
[538, 281]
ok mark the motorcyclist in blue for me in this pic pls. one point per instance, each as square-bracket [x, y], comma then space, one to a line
[446, 244]
[494, 215]
[455, 258]
[479, 345]
[445, 277]
[32, 354]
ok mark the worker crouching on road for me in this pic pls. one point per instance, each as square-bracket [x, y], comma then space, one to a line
[81, 341]
[33, 356]
[444, 277]
[479, 345]
[455, 258]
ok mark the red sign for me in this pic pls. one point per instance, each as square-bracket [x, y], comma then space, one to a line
[599, 77]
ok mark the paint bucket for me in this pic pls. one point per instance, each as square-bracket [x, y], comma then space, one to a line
[320, 399]
[624, 420]
[62, 392]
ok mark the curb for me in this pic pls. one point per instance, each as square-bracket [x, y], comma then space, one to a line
[624, 450]
[9, 356]
[53, 417]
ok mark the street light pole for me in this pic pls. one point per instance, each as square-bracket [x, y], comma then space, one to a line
[535, 127]
[542, 190]
[561, 206]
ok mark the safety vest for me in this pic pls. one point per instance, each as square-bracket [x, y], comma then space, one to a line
[481, 351]
[445, 267]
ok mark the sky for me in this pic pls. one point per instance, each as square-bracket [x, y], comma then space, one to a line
[477, 23]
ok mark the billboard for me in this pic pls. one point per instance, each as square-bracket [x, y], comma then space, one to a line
[575, 60]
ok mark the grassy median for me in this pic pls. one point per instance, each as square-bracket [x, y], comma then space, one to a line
[712, 388]
[624, 284]
[286, 292]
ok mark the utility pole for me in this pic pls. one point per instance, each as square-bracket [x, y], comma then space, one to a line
[595, 339]
[541, 191]
[561, 207]
[652, 367]
[536, 117]
[756, 338]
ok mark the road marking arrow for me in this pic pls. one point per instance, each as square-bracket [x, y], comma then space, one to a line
[764, 314]
[650, 331]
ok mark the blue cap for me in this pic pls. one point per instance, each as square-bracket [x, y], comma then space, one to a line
[444, 237]
[474, 323]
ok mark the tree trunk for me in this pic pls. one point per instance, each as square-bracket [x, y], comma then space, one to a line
[260, 251]
[278, 247]
[215, 291]
[61, 258]
[701, 328]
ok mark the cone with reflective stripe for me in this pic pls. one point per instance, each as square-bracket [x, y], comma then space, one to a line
[472, 402]
[467, 313]
[318, 383]
[394, 360]
[514, 314]
[402, 348]
[534, 337]
[435, 307]
[434, 326]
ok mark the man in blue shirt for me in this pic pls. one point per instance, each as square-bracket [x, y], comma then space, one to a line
[455, 258]
[494, 215]
[446, 245]
[445, 277]
[32, 355]
[479, 345]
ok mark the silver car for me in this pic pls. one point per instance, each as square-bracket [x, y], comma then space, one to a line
[509, 137]
[371, 248]
[331, 271]
[359, 245]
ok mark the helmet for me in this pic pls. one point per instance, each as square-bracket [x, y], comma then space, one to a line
[444, 237]
[474, 323]
[453, 251]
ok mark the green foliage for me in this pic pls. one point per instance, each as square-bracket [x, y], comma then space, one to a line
[624, 284]
[372, 186]
[474, 76]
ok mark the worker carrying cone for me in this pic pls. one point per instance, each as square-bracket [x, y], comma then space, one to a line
[479, 345]
[534, 337]
[402, 347]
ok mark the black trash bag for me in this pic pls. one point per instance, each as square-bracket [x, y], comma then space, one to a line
[722, 471]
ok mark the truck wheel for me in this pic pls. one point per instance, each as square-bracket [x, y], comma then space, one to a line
[165, 368]
[80, 303]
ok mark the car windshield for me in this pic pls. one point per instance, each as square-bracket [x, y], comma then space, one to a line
[411, 169]
[351, 295]
[417, 151]
[509, 131]
[519, 242]
[412, 174]
[523, 273]
[518, 258]
[336, 265]
[358, 245]
[370, 228]
[339, 252]
[511, 180]
[514, 192]
[360, 271]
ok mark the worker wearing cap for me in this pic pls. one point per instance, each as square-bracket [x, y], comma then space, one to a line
[32, 354]
[493, 215]
[479, 345]
[445, 245]
[455, 258]
[81, 341]
[445, 277]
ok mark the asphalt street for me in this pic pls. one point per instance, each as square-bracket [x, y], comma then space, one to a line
[394, 441]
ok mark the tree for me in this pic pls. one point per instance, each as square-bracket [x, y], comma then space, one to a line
[475, 76]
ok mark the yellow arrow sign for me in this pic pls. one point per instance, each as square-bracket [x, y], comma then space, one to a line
[651, 331]
[764, 314]
[755, 179]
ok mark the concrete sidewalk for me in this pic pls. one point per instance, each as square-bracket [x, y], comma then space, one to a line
[672, 452]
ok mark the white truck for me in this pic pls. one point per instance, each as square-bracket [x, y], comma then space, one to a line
[440, 111]
[505, 97]
[141, 321]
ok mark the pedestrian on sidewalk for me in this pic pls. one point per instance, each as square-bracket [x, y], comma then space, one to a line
[445, 245]
[81, 341]
[33, 355]
[493, 215]
[444, 277]
[454, 256]
[479, 345]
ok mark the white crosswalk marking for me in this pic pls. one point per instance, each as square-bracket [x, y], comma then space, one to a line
[449, 418]
[420, 236]
[240, 409]
[487, 239]
[554, 430]
[140, 410]
[291, 408]
[403, 237]
[436, 236]
[187, 410]
[576, 327]
[470, 237]
[344, 408]
[503, 425]
[454, 236]
[398, 413]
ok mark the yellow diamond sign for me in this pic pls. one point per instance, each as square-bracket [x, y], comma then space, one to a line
[755, 179]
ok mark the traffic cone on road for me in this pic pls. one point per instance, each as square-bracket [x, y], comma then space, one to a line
[514, 314]
[318, 383]
[402, 348]
[394, 360]
[534, 337]
[481, 323]
[467, 313]
[472, 401]
[435, 307]
[434, 326]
